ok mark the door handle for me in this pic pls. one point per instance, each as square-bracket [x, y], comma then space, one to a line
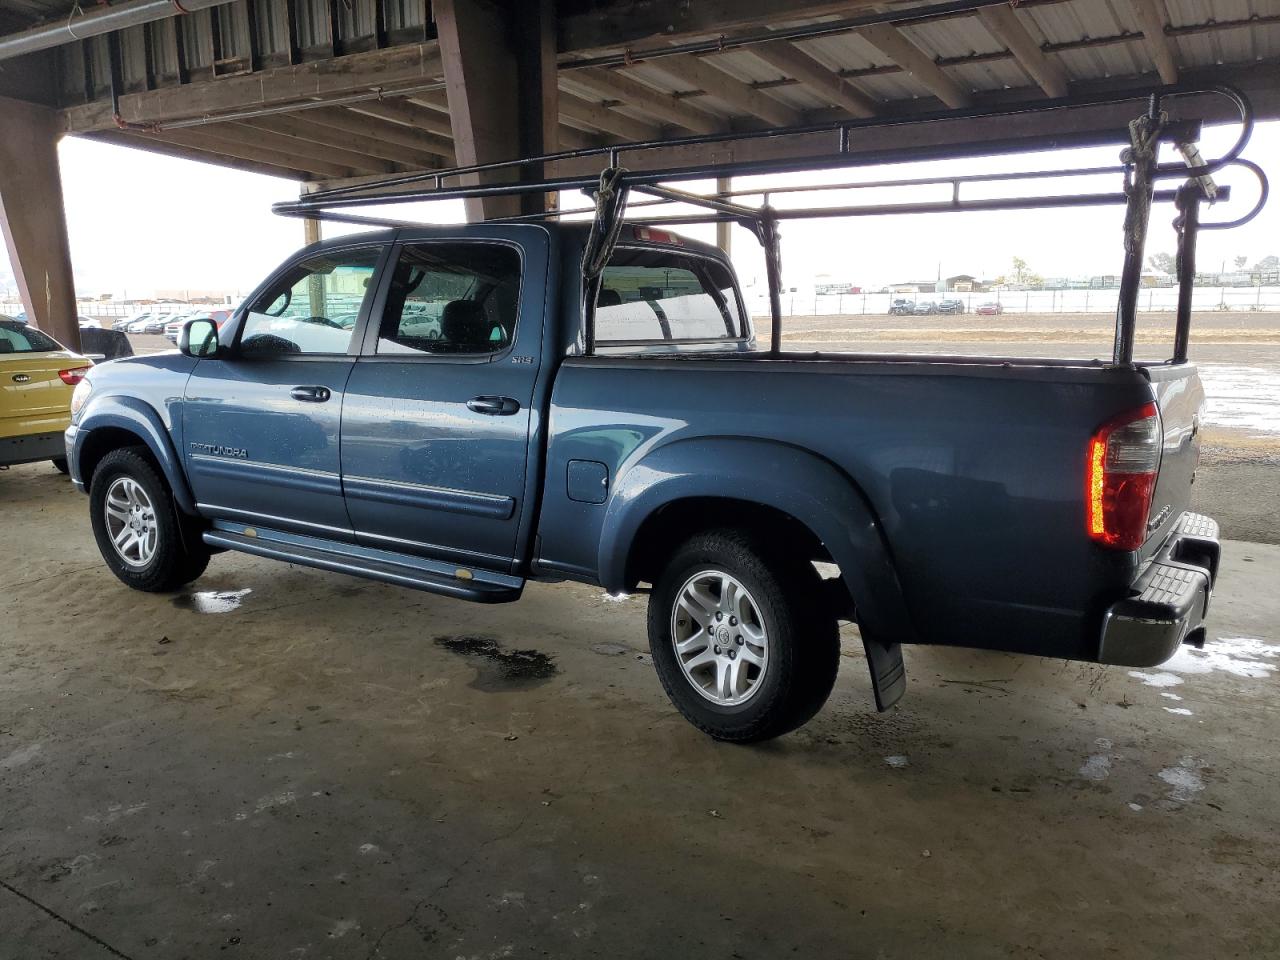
[494, 406]
[311, 394]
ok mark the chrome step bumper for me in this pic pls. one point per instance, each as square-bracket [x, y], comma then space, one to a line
[1170, 598]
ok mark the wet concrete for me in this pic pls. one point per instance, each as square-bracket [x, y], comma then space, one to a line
[312, 775]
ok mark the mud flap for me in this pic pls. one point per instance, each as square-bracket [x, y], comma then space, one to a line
[888, 672]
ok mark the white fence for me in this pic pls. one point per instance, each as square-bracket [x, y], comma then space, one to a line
[1152, 299]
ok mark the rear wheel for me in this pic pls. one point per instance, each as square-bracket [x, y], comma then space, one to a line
[145, 540]
[743, 645]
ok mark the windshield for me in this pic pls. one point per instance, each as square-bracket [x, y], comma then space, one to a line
[16, 338]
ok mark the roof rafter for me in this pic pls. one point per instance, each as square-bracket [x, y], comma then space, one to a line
[798, 65]
[616, 84]
[895, 45]
[700, 72]
[599, 117]
[1005, 26]
[1154, 18]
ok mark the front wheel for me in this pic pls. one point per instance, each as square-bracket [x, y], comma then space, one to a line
[148, 544]
[743, 645]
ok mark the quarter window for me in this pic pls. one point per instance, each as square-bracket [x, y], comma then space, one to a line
[314, 308]
[451, 298]
[656, 295]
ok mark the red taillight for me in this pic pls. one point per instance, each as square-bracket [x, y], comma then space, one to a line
[73, 376]
[1120, 477]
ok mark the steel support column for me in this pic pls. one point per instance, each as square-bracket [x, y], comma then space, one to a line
[31, 217]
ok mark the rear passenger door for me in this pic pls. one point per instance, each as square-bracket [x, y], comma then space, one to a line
[435, 428]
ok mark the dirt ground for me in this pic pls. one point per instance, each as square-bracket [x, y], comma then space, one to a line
[287, 763]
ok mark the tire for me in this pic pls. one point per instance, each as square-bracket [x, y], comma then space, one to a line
[60, 464]
[174, 556]
[785, 686]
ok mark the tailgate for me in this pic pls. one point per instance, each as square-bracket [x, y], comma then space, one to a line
[33, 398]
[1180, 397]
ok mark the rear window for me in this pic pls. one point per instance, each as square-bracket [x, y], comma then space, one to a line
[649, 296]
[16, 338]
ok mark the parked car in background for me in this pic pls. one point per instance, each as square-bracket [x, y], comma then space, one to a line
[174, 326]
[157, 324]
[925, 308]
[37, 376]
[951, 306]
[990, 308]
[126, 322]
[86, 322]
[902, 308]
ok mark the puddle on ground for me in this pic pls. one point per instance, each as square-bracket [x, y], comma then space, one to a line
[1098, 766]
[610, 649]
[1180, 711]
[1184, 779]
[498, 669]
[897, 762]
[212, 601]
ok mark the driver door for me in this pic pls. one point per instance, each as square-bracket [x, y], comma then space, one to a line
[260, 425]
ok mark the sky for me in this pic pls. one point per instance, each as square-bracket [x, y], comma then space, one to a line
[139, 222]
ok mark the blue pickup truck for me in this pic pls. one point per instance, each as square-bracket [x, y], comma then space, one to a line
[417, 406]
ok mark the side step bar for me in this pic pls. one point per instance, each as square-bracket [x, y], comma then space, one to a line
[399, 569]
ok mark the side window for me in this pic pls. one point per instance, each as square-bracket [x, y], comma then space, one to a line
[312, 309]
[656, 295]
[451, 298]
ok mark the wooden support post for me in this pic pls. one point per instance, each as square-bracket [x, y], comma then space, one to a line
[310, 228]
[31, 217]
[481, 48]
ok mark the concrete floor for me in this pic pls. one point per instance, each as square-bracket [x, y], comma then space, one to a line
[299, 766]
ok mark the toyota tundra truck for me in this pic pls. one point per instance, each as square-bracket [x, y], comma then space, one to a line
[422, 406]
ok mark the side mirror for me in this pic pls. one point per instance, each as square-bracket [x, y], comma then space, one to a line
[199, 339]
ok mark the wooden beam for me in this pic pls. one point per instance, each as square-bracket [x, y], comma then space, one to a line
[616, 85]
[1154, 18]
[32, 218]
[700, 74]
[1006, 27]
[381, 132]
[250, 145]
[407, 114]
[828, 84]
[599, 117]
[894, 44]
[356, 73]
[149, 143]
[571, 138]
[485, 98]
[304, 127]
[279, 133]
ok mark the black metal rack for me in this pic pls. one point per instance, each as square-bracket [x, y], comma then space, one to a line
[1140, 170]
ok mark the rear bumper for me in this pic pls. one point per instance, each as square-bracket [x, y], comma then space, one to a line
[1170, 598]
[31, 448]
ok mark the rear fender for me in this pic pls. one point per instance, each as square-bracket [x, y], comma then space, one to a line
[141, 419]
[810, 489]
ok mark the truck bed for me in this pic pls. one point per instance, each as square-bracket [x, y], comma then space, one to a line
[973, 470]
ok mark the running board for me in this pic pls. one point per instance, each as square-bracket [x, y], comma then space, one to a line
[399, 569]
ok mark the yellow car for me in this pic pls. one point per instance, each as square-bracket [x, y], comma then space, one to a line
[37, 376]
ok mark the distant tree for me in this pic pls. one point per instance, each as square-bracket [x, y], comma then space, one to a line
[1023, 276]
[1163, 262]
[1267, 264]
[1240, 262]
